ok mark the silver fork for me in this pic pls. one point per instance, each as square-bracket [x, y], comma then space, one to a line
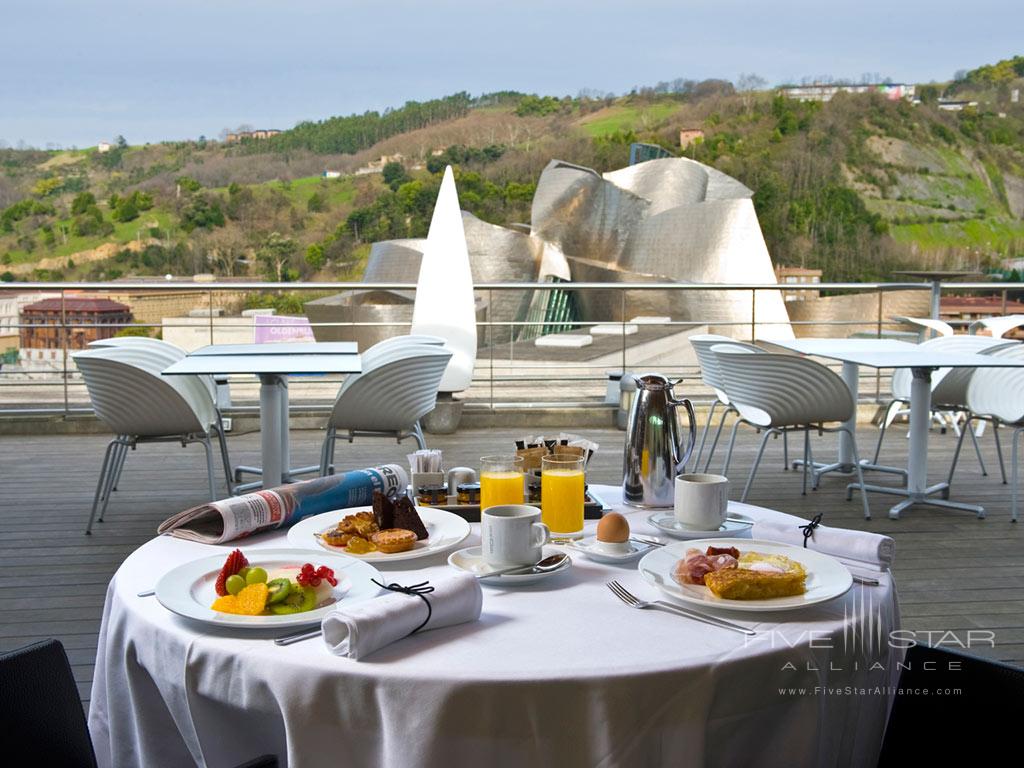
[634, 602]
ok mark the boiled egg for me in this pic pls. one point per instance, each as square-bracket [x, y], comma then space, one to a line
[613, 529]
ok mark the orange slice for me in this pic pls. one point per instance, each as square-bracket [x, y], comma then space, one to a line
[251, 601]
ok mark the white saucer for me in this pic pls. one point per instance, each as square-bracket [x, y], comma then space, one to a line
[588, 548]
[470, 560]
[666, 521]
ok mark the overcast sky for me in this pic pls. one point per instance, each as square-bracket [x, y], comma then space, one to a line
[73, 72]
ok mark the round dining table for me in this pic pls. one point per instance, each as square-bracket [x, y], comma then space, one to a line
[555, 673]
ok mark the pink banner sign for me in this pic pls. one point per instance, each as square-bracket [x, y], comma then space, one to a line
[268, 329]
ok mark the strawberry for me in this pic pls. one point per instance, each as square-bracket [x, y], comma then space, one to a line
[236, 561]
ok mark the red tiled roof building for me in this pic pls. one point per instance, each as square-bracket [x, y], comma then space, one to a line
[83, 318]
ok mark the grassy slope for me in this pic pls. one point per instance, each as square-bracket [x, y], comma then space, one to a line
[626, 117]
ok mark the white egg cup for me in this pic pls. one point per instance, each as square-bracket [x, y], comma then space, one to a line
[612, 547]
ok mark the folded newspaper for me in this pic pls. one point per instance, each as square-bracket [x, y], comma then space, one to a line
[239, 516]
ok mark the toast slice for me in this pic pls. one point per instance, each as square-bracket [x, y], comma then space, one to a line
[744, 584]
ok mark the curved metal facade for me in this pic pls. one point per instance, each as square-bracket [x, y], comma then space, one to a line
[668, 220]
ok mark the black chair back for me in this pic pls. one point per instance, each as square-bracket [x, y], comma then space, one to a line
[40, 709]
[949, 702]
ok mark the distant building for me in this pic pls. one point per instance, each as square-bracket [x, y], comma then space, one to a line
[103, 147]
[47, 326]
[377, 166]
[953, 105]
[331, 174]
[688, 136]
[798, 275]
[823, 92]
[969, 308]
[262, 133]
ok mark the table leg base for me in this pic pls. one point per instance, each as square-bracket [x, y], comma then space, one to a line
[917, 497]
[819, 468]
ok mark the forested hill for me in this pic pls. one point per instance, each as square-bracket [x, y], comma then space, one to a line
[857, 186]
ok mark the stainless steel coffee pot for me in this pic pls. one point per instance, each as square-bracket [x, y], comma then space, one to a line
[655, 451]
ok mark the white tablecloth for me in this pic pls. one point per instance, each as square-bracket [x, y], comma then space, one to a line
[557, 673]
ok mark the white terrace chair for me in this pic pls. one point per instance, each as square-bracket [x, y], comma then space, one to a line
[140, 406]
[387, 399]
[949, 389]
[218, 385]
[382, 349]
[711, 375]
[998, 326]
[927, 325]
[157, 355]
[779, 393]
[997, 395]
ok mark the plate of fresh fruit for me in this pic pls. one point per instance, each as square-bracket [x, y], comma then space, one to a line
[266, 588]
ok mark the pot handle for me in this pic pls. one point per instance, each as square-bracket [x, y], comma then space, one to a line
[692, 418]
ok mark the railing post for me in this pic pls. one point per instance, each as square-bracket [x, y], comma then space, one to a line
[622, 315]
[490, 339]
[878, 371]
[210, 295]
[64, 347]
[753, 315]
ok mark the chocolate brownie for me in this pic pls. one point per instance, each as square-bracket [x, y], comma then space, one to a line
[383, 511]
[406, 516]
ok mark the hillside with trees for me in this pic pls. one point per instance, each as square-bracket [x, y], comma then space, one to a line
[857, 186]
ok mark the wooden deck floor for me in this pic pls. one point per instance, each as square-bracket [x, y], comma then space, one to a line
[953, 572]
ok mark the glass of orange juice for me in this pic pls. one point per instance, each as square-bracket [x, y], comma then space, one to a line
[561, 495]
[501, 480]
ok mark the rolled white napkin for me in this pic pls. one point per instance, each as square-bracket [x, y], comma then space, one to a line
[859, 547]
[358, 630]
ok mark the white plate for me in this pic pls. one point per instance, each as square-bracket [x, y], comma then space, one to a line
[446, 531]
[666, 521]
[827, 578]
[589, 549]
[471, 561]
[188, 590]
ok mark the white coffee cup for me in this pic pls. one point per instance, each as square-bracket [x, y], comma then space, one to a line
[512, 534]
[701, 501]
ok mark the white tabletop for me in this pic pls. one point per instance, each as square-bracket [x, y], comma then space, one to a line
[281, 348]
[889, 353]
[265, 364]
[559, 672]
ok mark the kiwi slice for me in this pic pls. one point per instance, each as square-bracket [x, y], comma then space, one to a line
[278, 590]
[296, 601]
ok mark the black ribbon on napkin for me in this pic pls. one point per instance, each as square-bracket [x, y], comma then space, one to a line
[808, 529]
[420, 590]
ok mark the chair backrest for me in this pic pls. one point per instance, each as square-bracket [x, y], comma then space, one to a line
[773, 390]
[999, 392]
[393, 395]
[902, 377]
[945, 697]
[131, 398]
[997, 326]
[950, 391]
[385, 350]
[709, 370]
[927, 324]
[41, 710]
[163, 352]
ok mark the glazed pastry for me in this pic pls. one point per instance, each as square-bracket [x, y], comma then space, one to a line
[394, 540]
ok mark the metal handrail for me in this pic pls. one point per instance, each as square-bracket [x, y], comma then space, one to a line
[69, 378]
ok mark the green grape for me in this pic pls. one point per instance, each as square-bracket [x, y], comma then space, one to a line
[234, 584]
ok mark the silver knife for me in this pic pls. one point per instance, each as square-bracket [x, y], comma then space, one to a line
[712, 620]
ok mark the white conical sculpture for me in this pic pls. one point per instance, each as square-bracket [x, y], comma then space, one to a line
[445, 305]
